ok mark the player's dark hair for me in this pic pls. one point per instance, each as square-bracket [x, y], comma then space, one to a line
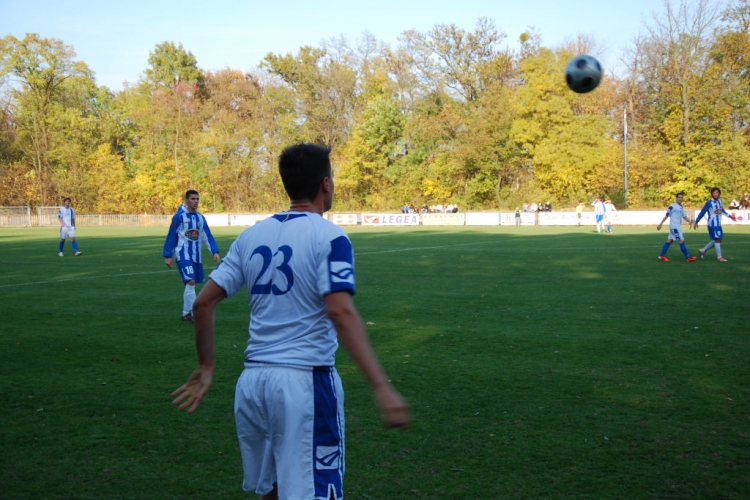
[680, 194]
[302, 168]
[66, 199]
[715, 189]
[189, 192]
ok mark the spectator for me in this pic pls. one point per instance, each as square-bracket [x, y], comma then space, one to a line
[533, 208]
[525, 207]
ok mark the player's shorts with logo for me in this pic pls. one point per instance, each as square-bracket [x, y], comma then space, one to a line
[190, 271]
[715, 232]
[66, 233]
[290, 426]
[675, 234]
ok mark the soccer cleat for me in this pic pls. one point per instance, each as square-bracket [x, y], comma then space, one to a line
[703, 254]
[692, 259]
[60, 254]
[187, 317]
[78, 253]
[661, 257]
[722, 259]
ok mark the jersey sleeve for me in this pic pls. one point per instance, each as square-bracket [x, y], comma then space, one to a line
[703, 212]
[171, 242]
[229, 275]
[337, 270]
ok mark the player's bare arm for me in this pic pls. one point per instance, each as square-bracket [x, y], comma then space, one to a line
[351, 332]
[189, 395]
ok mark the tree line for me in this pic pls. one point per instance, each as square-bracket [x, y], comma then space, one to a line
[447, 116]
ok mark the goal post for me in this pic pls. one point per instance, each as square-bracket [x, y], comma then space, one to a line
[15, 216]
[47, 216]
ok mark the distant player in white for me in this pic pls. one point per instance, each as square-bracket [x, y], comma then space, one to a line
[713, 210]
[609, 214]
[675, 214]
[67, 218]
[186, 233]
[599, 210]
[298, 269]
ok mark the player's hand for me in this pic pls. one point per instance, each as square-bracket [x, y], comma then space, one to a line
[191, 393]
[217, 259]
[658, 228]
[395, 410]
[168, 262]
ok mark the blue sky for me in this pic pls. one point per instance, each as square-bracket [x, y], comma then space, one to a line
[115, 38]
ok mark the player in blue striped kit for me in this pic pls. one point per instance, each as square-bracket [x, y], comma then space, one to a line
[298, 270]
[187, 232]
[713, 210]
[675, 214]
[67, 218]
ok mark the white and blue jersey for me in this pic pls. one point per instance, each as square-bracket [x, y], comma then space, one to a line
[186, 233]
[676, 213]
[67, 216]
[599, 210]
[713, 210]
[288, 263]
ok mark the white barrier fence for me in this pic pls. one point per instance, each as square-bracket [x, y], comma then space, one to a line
[21, 216]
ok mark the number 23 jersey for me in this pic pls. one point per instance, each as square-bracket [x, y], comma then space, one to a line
[288, 263]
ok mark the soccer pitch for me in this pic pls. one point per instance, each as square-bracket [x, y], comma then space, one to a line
[538, 362]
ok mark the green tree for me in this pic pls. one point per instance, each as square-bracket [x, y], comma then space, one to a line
[41, 73]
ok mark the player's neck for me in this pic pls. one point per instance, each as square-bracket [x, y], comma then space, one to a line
[307, 206]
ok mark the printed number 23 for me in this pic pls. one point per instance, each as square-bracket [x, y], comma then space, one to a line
[268, 286]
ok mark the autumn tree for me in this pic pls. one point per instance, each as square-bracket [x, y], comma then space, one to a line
[41, 73]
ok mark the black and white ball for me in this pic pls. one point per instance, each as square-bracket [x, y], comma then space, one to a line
[583, 74]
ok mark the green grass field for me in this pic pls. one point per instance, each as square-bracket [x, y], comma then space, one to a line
[539, 363]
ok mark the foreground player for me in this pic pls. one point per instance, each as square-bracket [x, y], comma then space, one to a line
[186, 232]
[675, 214]
[299, 272]
[67, 218]
[713, 209]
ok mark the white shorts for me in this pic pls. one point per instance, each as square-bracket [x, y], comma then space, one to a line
[675, 234]
[67, 233]
[290, 425]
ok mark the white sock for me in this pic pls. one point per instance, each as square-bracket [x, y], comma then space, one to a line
[718, 250]
[709, 246]
[188, 297]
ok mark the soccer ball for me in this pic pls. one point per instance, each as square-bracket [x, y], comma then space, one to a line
[583, 74]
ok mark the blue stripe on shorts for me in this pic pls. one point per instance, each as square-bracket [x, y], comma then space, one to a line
[328, 449]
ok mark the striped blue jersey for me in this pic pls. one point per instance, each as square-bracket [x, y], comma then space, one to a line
[676, 213]
[67, 216]
[288, 263]
[186, 233]
[599, 208]
[710, 210]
